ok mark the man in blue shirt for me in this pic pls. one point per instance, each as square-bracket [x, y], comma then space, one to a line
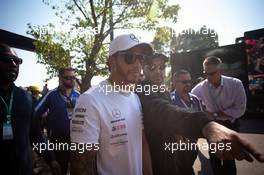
[60, 103]
[181, 95]
[225, 100]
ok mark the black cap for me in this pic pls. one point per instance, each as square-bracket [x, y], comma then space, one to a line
[159, 55]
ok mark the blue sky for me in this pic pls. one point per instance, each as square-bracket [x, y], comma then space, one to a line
[14, 16]
[230, 18]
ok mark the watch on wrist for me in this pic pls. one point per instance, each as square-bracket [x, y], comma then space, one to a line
[215, 115]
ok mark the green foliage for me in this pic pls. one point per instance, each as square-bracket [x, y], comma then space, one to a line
[166, 40]
[190, 39]
[162, 39]
[82, 39]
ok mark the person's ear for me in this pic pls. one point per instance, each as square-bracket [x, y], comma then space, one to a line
[112, 64]
[220, 71]
[173, 83]
[60, 80]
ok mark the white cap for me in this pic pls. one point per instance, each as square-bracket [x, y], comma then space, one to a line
[125, 42]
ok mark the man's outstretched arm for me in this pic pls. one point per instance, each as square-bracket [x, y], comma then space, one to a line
[241, 149]
[160, 116]
[83, 163]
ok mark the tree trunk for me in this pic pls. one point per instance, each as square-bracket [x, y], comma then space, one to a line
[86, 83]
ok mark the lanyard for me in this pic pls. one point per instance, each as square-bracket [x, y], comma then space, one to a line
[67, 100]
[185, 105]
[9, 108]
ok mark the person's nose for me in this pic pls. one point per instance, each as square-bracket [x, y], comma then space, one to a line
[158, 70]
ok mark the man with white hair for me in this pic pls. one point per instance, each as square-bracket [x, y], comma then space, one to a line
[225, 100]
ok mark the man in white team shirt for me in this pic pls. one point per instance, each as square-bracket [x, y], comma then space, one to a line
[109, 117]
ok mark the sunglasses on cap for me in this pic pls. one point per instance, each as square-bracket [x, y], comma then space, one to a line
[69, 77]
[160, 67]
[9, 60]
[185, 81]
[131, 58]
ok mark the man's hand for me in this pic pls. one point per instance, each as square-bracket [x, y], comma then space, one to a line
[211, 115]
[55, 167]
[220, 116]
[240, 148]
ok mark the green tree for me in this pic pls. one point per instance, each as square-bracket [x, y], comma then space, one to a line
[87, 29]
[190, 39]
[166, 40]
[162, 39]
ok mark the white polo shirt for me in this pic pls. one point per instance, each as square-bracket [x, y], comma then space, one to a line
[114, 120]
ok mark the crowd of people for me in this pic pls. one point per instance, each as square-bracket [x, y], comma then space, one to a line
[123, 132]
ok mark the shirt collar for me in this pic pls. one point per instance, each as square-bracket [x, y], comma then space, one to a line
[176, 95]
[59, 90]
[221, 82]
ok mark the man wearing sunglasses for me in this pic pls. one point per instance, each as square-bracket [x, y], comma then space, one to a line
[181, 96]
[154, 69]
[114, 119]
[225, 100]
[184, 100]
[163, 121]
[180, 162]
[59, 104]
[18, 126]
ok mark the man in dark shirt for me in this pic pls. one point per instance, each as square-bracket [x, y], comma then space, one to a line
[162, 121]
[16, 120]
[163, 162]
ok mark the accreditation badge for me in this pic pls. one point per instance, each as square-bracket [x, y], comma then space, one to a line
[7, 131]
[70, 113]
[187, 110]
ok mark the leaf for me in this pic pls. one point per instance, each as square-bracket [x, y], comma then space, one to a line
[83, 38]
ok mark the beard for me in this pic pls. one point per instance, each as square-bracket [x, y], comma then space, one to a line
[131, 76]
[69, 85]
[8, 77]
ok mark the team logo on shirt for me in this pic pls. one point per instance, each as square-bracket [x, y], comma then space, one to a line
[116, 113]
[80, 110]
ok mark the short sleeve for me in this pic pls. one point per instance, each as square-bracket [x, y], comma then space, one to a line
[85, 124]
